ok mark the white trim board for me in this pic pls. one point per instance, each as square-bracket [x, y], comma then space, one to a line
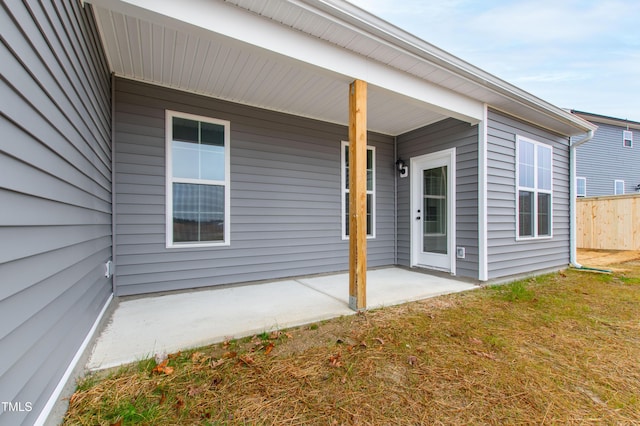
[55, 395]
[450, 156]
[483, 191]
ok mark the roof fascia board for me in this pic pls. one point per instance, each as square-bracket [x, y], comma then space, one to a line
[232, 22]
[565, 132]
[596, 118]
[401, 39]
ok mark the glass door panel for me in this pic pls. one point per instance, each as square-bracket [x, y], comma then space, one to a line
[434, 222]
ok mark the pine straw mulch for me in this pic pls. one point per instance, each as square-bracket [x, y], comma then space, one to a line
[562, 348]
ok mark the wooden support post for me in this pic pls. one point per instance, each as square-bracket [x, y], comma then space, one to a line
[358, 195]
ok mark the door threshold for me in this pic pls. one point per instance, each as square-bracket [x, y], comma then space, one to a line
[433, 269]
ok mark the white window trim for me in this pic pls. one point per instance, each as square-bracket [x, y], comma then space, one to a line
[169, 115]
[615, 186]
[343, 191]
[535, 191]
[627, 135]
[585, 186]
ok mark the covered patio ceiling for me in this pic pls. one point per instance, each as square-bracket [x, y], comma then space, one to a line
[213, 65]
[299, 56]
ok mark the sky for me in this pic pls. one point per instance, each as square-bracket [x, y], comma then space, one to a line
[576, 54]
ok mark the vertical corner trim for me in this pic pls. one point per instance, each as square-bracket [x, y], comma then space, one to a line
[483, 210]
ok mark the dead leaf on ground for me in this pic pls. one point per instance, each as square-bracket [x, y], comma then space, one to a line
[179, 404]
[269, 348]
[412, 359]
[160, 357]
[118, 423]
[475, 340]
[379, 340]
[485, 355]
[247, 359]
[275, 334]
[194, 390]
[229, 355]
[163, 398]
[218, 363]
[174, 355]
[163, 368]
[334, 360]
[197, 357]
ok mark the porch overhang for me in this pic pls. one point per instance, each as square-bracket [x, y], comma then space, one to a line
[298, 57]
[220, 50]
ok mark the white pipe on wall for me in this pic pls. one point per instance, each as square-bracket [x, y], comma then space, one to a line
[573, 249]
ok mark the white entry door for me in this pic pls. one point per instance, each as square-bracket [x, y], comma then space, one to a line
[433, 210]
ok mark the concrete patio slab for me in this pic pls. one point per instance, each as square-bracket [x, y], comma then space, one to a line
[142, 327]
[389, 286]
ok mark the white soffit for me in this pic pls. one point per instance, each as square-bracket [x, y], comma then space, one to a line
[226, 69]
[294, 56]
[146, 46]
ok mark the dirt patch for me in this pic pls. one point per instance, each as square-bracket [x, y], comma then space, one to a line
[599, 258]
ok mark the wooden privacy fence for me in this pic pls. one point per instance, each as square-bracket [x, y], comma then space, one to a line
[611, 223]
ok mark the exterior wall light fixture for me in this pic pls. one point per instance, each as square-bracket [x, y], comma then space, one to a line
[403, 169]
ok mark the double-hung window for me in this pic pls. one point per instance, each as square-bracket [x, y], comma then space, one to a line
[197, 189]
[627, 138]
[534, 175]
[371, 191]
[581, 186]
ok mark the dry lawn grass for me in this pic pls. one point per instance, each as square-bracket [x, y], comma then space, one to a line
[559, 349]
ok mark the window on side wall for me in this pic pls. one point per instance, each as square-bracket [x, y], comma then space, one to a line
[618, 187]
[534, 177]
[197, 188]
[627, 138]
[371, 191]
[581, 187]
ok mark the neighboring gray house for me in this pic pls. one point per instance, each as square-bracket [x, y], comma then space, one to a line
[163, 142]
[610, 163]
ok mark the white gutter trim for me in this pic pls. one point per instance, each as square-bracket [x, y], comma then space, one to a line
[342, 13]
[573, 249]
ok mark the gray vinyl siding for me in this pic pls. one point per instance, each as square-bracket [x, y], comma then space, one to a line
[285, 196]
[604, 160]
[506, 256]
[55, 195]
[443, 135]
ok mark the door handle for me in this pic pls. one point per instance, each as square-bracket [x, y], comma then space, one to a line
[418, 218]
